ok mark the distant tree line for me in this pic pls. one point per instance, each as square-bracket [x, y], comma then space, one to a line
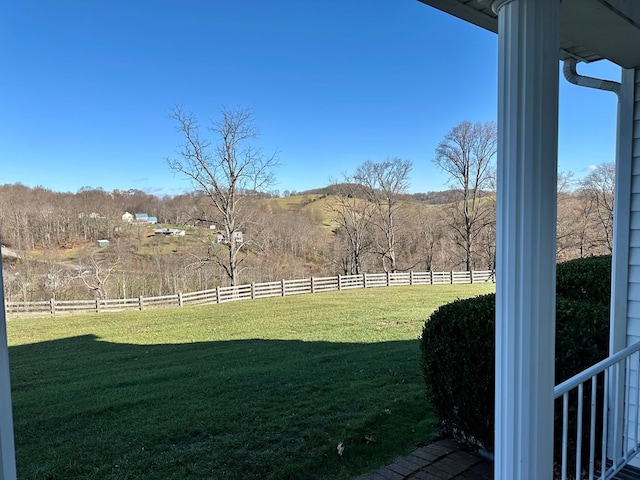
[364, 222]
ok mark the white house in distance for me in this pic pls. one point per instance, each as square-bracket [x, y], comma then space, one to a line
[138, 218]
[533, 36]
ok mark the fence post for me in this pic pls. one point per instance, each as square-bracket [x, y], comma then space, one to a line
[217, 293]
[312, 286]
[253, 291]
[140, 303]
[364, 280]
[471, 276]
[97, 305]
[388, 280]
[339, 282]
[52, 307]
[282, 287]
[451, 276]
[180, 300]
[431, 277]
[411, 278]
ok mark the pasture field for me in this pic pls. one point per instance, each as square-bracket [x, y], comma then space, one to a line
[262, 389]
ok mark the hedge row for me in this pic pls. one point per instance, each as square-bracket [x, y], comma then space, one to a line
[458, 347]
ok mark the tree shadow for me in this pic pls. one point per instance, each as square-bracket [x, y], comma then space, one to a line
[86, 408]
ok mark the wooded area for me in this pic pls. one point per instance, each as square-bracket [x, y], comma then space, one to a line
[52, 238]
[232, 230]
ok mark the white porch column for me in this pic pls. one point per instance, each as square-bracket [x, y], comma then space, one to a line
[625, 328]
[625, 274]
[7, 449]
[528, 48]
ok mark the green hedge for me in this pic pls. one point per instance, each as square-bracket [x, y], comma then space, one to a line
[587, 279]
[458, 363]
[458, 347]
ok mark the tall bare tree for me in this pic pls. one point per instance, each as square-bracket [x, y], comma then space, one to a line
[567, 229]
[383, 184]
[228, 169]
[467, 154]
[598, 188]
[353, 216]
[429, 226]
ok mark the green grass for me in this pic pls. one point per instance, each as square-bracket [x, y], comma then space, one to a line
[247, 390]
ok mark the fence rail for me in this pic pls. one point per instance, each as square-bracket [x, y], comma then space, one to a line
[250, 291]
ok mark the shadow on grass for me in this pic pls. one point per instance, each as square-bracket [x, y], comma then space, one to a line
[84, 408]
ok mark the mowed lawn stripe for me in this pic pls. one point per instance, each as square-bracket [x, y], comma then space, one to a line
[255, 389]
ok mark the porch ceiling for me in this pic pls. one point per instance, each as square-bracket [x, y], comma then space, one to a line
[590, 30]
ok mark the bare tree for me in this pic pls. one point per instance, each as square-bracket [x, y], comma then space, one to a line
[577, 230]
[466, 154]
[383, 184]
[566, 225]
[228, 170]
[430, 232]
[353, 216]
[598, 188]
[95, 271]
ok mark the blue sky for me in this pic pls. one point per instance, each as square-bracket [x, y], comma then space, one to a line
[86, 87]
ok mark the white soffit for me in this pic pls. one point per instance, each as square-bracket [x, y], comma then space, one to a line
[590, 30]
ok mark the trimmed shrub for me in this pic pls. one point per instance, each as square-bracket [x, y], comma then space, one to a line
[458, 361]
[582, 336]
[458, 347]
[585, 279]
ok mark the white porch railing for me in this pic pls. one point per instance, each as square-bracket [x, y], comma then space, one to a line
[600, 413]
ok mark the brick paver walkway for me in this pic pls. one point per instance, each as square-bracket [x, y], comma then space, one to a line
[447, 460]
[441, 460]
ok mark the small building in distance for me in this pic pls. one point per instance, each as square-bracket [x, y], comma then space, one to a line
[169, 232]
[223, 239]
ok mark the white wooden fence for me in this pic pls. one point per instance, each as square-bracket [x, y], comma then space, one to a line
[251, 291]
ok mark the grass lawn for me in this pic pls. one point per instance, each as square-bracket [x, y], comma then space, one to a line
[246, 390]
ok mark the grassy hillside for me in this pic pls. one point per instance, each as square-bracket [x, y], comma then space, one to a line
[315, 204]
[262, 389]
[319, 205]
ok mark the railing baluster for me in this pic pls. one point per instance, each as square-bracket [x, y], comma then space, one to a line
[592, 432]
[605, 426]
[565, 433]
[579, 430]
[637, 405]
[615, 453]
[625, 414]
